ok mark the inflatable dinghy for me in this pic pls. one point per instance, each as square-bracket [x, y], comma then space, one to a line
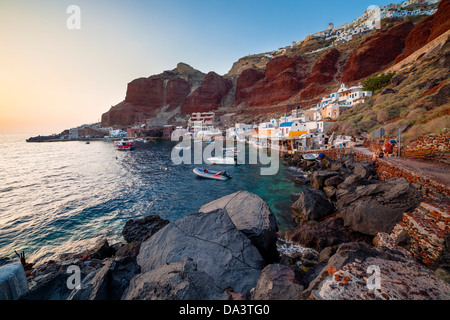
[209, 174]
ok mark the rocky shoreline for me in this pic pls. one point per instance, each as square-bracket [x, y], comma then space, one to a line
[351, 242]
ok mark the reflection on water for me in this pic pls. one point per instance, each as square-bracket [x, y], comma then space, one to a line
[58, 197]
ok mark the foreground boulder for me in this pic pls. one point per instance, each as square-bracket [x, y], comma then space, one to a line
[377, 207]
[319, 235]
[319, 177]
[141, 229]
[278, 282]
[345, 254]
[252, 216]
[399, 278]
[312, 204]
[108, 283]
[215, 245]
[176, 281]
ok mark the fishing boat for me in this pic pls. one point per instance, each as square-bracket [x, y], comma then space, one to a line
[209, 174]
[222, 160]
[124, 145]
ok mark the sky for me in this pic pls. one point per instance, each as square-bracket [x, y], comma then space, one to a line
[54, 77]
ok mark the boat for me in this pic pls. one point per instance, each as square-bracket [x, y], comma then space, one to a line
[87, 142]
[209, 174]
[124, 145]
[222, 160]
[230, 152]
[310, 156]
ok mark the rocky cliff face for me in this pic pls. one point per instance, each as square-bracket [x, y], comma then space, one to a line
[146, 97]
[323, 72]
[427, 30]
[284, 77]
[209, 95]
[245, 84]
[376, 52]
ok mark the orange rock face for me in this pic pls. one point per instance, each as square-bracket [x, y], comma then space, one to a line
[145, 96]
[376, 52]
[284, 77]
[427, 30]
[324, 71]
[209, 95]
[247, 79]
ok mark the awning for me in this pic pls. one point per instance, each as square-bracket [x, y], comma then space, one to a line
[296, 134]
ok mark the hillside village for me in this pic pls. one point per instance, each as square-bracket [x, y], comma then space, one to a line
[287, 127]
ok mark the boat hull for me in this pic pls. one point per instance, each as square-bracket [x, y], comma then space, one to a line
[210, 174]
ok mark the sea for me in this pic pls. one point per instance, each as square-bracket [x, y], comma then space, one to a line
[63, 197]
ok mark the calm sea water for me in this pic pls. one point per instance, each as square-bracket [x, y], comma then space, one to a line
[64, 196]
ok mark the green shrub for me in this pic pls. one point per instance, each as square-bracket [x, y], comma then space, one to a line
[377, 82]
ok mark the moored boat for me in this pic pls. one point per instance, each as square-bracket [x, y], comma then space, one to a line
[310, 156]
[222, 160]
[124, 145]
[209, 174]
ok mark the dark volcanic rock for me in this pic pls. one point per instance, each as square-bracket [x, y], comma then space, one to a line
[139, 230]
[365, 169]
[318, 178]
[377, 207]
[319, 235]
[252, 216]
[312, 204]
[333, 181]
[110, 282]
[278, 282]
[175, 281]
[346, 253]
[100, 251]
[214, 244]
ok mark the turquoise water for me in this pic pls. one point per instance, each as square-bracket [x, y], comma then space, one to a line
[64, 196]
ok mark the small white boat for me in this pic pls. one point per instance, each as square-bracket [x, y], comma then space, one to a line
[222, 160]
[310, 156]
[209, 174]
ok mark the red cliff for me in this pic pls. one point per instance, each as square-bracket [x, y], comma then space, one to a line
[247, 79]
[209, 95]
[323, 72]
[145, 97]
[376, 52]
[427, 30]
[283, 79]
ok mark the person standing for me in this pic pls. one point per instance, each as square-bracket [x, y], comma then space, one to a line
[387, 148]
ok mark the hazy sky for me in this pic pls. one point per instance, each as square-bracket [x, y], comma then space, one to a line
[53, 78]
